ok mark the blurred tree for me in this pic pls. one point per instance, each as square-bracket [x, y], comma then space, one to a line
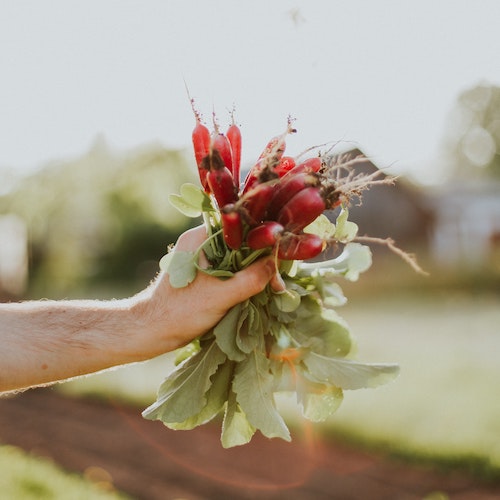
[100, 220]
[472, 137]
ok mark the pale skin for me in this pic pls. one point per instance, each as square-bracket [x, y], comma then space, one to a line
[43, 342]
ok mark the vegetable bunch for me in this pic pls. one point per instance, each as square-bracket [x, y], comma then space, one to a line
[292, 341]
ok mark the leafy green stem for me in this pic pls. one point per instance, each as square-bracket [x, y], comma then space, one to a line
[253, 257]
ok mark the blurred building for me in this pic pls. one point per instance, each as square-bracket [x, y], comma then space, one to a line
[395, 210]
[455, 225]
[466, 230]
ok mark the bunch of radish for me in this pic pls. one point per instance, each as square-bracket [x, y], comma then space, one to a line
[290, 341]
[276, 201]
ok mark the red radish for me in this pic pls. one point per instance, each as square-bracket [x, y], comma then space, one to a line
[221, 184]
[233, 135]
[252, 178]
[275, 147]
[287, 188]
[310, 165]
[201, 145]
[221, 144]
[269, 158]
[302, 209]
[285, 165]
[232, 227]
[265, 235]
[256, 201]
[299, 246]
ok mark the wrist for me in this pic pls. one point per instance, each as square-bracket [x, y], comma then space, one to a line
[151, 332]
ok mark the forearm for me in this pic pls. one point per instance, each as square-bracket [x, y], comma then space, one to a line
[47, 341]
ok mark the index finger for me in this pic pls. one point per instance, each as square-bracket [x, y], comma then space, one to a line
[190, 240]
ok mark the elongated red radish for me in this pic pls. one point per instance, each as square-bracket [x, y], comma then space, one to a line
[285, 164]
[221, 184]
[264, 235]
[232, 227]
[299, 246]
[221, 144]
[256, 201]
[308, 166]
[302, 209]
[269, 159]
[252, 178]
[201, 144]
[287, 188]
[275, 148]
[233, 135]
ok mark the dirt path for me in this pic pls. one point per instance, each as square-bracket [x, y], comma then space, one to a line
[150, 462]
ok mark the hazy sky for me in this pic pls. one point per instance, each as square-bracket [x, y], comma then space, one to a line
[382, 74]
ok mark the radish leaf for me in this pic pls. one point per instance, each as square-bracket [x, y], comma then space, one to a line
[236, 429]
[345, 230]
[318, 401]
[215, 396]
[181, 268]
[225, 331]
[182, 394]
[348, 374]
[192, 201]
[253, 385]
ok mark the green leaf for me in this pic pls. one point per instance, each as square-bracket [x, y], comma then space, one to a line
[225, 331]
[287, 301]
[332, 295]
[284, 374]
[236, 429]
[181, 268]
[321, 330]
[165, 261]
[219, 273]
[253, 385]
[348, 374]
[216, 397]
[192, 201]
[288, 267]
[345, 230]
[322, 226]
[249, 331]
[182, 394]
[354, 259]
[187, 351]
[213, 251]
[359, 260]
[261, 299]
[318, 401]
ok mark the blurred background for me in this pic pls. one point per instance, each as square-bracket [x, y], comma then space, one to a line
[95, 127]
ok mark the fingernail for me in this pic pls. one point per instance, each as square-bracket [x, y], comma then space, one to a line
[279, 284]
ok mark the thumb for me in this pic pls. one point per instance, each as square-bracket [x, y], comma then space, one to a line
[248, 282]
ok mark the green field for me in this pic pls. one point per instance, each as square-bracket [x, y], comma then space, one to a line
[445, 400]
[26, 477]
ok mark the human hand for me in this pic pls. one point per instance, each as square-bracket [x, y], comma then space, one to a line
[175, 316]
